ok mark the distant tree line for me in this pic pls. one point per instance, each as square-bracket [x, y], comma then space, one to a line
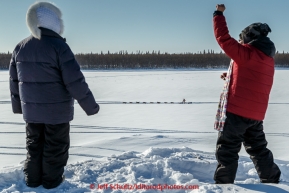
[5, 60]
[153, 60]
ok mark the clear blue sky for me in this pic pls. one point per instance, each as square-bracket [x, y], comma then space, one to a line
[172, 26]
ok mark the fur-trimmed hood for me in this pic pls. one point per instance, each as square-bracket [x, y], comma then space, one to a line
[46, 15]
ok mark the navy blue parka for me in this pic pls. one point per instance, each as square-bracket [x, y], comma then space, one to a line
[45, 79]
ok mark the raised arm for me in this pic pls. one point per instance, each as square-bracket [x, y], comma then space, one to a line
[231, 47]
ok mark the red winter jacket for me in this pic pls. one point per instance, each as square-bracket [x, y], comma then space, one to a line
[252, 74]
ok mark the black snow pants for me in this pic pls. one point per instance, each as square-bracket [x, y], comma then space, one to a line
[47, 154]
[238, 130]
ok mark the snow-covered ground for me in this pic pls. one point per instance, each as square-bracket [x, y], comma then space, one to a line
[147, 144]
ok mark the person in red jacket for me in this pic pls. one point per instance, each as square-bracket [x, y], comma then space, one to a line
[251, 80]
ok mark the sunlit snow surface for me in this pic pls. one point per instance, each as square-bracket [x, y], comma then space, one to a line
[148, 143]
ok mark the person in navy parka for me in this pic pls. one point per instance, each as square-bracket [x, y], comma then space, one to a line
[45, 79]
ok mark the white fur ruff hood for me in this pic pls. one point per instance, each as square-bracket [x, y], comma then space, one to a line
[46, 15]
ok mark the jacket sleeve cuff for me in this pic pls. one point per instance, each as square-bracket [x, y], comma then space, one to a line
[217, 13]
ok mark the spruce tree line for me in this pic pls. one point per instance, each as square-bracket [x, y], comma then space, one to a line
[153, 60]
[5, 60]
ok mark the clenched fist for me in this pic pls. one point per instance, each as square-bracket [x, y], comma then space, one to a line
[224, 76]
[220, 7]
